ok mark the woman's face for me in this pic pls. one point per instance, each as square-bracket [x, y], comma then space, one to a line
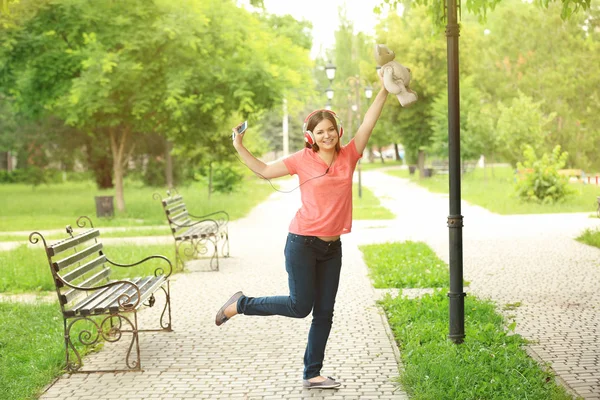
[326, 136]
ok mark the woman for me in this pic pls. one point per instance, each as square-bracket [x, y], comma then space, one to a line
[313, 250]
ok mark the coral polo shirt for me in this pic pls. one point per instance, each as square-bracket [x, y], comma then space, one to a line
[326, 197]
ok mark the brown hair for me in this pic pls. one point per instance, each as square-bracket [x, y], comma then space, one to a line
[315, 120]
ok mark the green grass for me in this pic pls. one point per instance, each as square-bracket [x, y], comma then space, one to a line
[405, 265]
[368, 206]
[497, 192]
[491, 364]
[26, 269]
[31, 348]
[54, 206]
[590, 237]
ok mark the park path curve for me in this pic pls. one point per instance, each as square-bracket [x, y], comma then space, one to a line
[531, 260]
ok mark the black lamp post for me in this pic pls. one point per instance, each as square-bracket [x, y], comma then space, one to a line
[455, 219]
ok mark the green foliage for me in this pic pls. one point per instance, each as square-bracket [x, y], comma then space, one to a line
[491, 364]
[591, 237]
[405, 265]
[521, 124]
[477, 135]
[541, 182]
[222, 177]
[480, 8]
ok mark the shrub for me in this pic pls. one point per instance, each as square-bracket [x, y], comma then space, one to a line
[542, 183]
[225, 177]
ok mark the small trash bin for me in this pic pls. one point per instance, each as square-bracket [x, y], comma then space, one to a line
[411, 169]
[104, 206]
[428, 172]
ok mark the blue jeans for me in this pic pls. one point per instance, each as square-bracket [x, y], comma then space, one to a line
[313, 268]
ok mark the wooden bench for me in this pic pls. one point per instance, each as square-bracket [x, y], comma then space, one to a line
[105, 308]
[195, 236]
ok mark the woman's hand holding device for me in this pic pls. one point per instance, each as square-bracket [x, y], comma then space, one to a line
[239, 130]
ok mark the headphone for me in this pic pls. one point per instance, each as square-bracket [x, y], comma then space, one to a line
[309, 137]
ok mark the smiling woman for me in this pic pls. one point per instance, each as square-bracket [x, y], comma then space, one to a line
[313, 250]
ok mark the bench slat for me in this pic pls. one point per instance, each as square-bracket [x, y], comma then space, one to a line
[175, 209]
[91, 296]
[76, 273]
[74, 241]
[179, 217]
[71, 294]
[102, 304]
[199, 231]
[67, 261]
[172, 200]
[110, 302]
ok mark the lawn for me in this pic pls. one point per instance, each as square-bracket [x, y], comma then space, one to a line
[368, 206]
[494, 189]
[26, 208]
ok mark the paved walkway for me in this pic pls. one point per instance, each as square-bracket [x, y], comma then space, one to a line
[250, 357]
[527, 259]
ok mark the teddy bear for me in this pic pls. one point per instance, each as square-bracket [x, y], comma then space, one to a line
[396, 77]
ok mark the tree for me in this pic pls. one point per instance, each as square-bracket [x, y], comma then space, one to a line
[170, 68]
[480, 8]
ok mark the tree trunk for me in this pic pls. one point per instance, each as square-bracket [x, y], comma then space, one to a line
[120, 158]
[397, 151]
[421, 163]
[372, 154]
[99, 162]
[168, 164]
[381, 154]
[210, 179]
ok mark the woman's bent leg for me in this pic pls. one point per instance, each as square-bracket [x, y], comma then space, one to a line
[300, 266]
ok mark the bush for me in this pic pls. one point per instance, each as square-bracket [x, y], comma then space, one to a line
[541, 183]
[225, 176]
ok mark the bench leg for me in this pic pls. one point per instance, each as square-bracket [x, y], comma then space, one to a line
[165, 316]
[197, 249]
[225, 237]
[110, 330]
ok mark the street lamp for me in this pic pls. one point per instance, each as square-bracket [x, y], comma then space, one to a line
[329, 93]
[368, 92]
[330, 71]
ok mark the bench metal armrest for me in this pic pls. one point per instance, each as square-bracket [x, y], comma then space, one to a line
[195, 223]
[158, 271]
[224, 217]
